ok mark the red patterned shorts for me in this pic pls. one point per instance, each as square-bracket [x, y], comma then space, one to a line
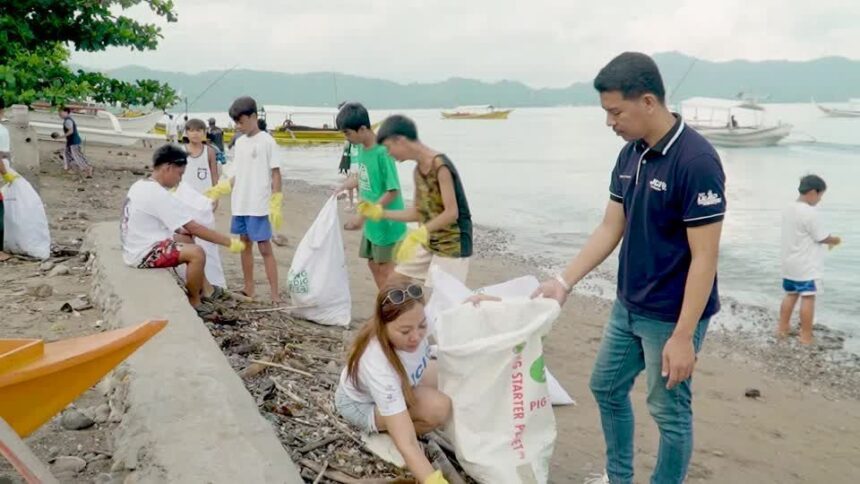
[163, 254]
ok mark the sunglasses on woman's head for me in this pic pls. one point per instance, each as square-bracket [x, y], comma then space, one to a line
[399, 296]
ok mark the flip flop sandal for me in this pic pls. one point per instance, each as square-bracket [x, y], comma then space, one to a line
[207, 312]
[218, 294]
[242, 296]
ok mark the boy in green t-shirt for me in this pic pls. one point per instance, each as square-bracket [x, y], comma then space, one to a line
[375, 175]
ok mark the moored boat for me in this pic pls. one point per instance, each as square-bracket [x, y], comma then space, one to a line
[292, 125]
[733, 123]
[38, 379]
[108, 137]
[852, 111]
[477, 112]
[91, 116]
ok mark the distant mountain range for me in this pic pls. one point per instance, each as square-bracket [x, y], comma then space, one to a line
[829, 79]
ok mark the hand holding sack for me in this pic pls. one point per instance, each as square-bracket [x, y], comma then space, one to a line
[222, 188]
[409, 247]
[236, 245]
[10, 176]
[370, 211]
[436, 478]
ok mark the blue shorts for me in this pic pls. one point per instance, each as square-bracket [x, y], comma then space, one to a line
[256, 228]
[804, 288]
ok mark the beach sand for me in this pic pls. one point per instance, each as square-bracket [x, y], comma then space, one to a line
[799, 431]
[795, 433]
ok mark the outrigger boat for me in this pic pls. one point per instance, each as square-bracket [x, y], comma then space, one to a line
[853, 111]
[96, 117]
[732, 123]
[38, 379]
[477, 112]
[300, 126]
[108, 137]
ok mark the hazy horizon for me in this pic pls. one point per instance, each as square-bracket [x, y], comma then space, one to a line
[543, 43]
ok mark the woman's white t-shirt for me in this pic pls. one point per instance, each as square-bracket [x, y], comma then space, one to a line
[197, 173]
[378, 381]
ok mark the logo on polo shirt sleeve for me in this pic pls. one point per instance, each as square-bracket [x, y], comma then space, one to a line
[708, 199]
[658, 185]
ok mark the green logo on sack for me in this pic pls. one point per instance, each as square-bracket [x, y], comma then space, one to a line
[538, 370]
[299, 283]
[519, 348]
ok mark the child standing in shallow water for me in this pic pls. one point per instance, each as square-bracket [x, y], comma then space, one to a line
[803, 237]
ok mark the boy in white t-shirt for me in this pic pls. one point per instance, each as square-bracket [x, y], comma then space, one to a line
[803, 238]
[152, 218]
[256, 194]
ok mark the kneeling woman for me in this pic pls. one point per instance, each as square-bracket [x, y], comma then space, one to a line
[389, 383]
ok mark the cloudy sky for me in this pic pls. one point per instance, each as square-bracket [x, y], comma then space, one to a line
[540, 42]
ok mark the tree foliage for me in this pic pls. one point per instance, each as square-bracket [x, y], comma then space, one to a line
[35, 38]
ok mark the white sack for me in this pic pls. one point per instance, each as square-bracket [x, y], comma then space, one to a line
[318, 279]
[449, 292]
[201, 210]
[25, 224]
[491, 364]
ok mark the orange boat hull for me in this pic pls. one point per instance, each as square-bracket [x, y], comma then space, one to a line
[38, 380]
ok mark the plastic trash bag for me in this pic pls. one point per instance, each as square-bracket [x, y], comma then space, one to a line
[25, 223]
[318, 278]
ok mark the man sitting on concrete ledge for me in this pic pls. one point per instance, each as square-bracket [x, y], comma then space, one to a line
[152, 219]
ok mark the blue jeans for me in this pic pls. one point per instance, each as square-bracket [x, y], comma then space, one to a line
[632, 343]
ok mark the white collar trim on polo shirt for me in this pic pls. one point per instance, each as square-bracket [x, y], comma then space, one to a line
[674, 138]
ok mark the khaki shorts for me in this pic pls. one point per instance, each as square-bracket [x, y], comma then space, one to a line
[419, 266]
[381, 254]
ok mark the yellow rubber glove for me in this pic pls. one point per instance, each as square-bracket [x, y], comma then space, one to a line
[436, 478]
[222, 188]
[408, 248]
[276, 216]
[370, 211]
[236, 245]
[9, 176]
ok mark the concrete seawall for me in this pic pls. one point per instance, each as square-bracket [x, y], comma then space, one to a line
[185, 413]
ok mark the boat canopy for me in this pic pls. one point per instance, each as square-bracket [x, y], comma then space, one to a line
[705, 112]
[282, 109]
[476, 107]
[720, 104]
[319, 117]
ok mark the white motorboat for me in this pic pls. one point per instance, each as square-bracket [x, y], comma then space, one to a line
[112, 135]
[484, 111]
[94, 117]
[852, 111]
[732, 123]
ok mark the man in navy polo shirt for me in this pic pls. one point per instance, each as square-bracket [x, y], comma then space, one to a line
[667, 202]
